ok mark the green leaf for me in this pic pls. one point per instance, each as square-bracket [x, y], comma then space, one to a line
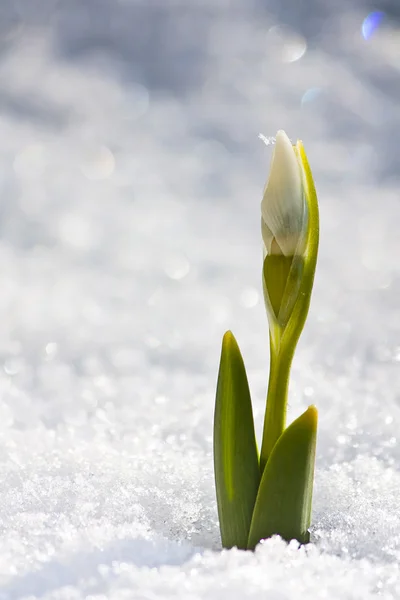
[283, 504]
[236, 467]
[298, 316]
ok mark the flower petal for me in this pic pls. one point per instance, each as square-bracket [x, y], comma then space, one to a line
[283, 204]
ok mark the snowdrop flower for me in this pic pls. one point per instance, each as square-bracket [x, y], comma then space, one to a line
[289, 227]
[283, 208]
[259, 495]
[290, 231]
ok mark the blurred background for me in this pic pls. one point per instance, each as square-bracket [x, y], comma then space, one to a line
[131, 174]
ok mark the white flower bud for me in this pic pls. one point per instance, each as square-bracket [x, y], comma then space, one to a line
[283, 212]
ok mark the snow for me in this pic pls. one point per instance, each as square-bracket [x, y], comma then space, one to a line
[131, 178]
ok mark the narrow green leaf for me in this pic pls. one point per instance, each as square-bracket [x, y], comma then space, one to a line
[236, 467]
[284, 499]
[299, 312]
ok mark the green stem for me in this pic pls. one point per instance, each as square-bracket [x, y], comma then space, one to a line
[283, 339]
[275, 414]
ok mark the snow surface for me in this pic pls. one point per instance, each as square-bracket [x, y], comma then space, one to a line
[131, 177]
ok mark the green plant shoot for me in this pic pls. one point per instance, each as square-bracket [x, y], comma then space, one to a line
[271, 494]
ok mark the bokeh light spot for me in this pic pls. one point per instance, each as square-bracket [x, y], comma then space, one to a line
[310, 96]
[249, 298]
[371, 23]
[176, 266]
[286, 43]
